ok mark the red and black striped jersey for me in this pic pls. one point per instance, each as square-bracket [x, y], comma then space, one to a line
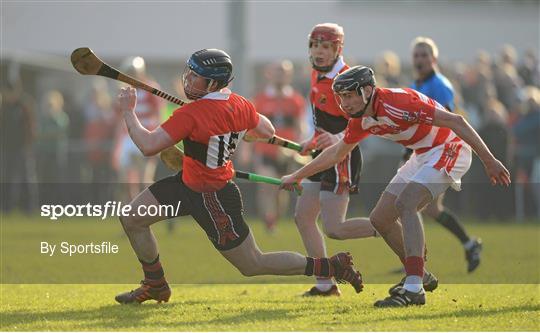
[211, 128]
[326, 112]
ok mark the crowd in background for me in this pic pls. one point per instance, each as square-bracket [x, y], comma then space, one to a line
[51, 145]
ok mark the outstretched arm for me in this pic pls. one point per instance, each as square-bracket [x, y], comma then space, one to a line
[148, 142]
[495, 170]
[264, 130]
[329, 157]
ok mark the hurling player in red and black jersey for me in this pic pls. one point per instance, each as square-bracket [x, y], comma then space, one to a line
[328, 191]
[211, 127]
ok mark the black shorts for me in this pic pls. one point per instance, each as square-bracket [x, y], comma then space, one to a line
[219, 213]
[342, 177]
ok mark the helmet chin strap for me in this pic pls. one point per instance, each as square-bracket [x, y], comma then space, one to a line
[323, 69]
[202, 93]
[366, 103]
[364, 95]
[210, 83]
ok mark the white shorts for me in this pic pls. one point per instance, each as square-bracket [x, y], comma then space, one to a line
[437, 169]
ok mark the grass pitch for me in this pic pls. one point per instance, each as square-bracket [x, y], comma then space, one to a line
[77, 293]
[267, 308]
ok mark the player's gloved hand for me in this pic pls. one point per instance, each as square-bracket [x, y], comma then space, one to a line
[290, 183]
[497, 172]
[172, 157]
[325, 139]
[249, 138]
[307, 146]
[127, 99]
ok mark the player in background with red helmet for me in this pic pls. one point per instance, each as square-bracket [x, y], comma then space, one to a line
[285, 108]
[211, 128]
[327, 192]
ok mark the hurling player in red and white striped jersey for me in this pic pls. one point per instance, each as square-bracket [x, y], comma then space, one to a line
[442, 144]
[210, 127]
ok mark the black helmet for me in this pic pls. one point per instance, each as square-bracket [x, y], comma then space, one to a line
[212, 64]
[354, 79]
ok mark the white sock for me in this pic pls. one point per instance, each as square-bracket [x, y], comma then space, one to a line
[469, 244]
[324, 284]
[413, 283]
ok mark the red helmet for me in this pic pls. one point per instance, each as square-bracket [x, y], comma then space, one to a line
[330, 32]
[326, 32]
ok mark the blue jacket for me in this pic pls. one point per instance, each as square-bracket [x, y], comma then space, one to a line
[437, 87]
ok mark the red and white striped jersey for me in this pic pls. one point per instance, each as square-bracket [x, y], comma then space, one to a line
[404, 116]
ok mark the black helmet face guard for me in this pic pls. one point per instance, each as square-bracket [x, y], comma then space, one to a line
[213, 65]
[350, 84]
[192, 92]
[365, 99]
[349, 81]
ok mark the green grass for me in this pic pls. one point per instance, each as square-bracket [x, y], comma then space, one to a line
[77, 293]
[511, 253]
[266, 308]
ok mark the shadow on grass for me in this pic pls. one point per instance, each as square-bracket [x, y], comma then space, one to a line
[136, 317]
[457, 313]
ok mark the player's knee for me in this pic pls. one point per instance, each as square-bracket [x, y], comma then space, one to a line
[432, 211]
[247, 271]
[334, 232]
[127, 222]
[336, 236]
[249, 265]
[405, 206]
[378, 222]
[302, 222]
[130, 222]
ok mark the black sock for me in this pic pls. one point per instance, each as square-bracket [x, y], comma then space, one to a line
[320, 267]
[153, 273]
[448, 220]
[309, 266]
